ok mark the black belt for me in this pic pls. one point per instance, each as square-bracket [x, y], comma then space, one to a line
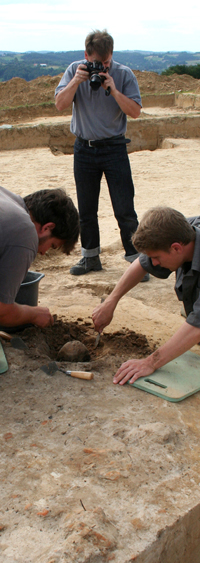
[104, 142]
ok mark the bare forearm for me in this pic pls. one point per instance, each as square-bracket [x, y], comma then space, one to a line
[65, 97]
[102, 315]
[130, 279]
[15, 314]
[185, 337]
[128, 106]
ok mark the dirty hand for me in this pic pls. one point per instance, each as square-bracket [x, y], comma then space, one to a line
[43, 317]
[102, 316]
[132, 370]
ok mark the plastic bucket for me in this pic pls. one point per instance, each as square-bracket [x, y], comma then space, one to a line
[27, 295]
[29, 289]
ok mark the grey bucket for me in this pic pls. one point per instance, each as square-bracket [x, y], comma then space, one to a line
[29, 289]
[27, 295]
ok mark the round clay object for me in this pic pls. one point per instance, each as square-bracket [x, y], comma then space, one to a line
[74, 351]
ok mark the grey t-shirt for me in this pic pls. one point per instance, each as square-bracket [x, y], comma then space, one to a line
[187, 286]
[18, 244]
[95, 115]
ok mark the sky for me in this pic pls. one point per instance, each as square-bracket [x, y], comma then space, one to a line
[62, 25]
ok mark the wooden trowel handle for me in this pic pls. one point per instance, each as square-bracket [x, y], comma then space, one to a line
[5, 335]
[81, 374]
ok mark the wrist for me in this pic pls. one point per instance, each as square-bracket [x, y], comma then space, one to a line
[155, 360]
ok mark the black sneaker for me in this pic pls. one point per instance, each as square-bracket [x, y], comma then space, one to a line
[85, 265]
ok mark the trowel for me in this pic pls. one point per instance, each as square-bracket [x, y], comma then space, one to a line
[15, 341]
[99, 333]
[52, 367]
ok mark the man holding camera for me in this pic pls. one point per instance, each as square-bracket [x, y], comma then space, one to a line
[103, 93]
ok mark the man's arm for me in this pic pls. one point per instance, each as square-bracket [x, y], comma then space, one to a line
[13, 314]
[65, 97]
[127, 105]
[103, 314]
[185, 337]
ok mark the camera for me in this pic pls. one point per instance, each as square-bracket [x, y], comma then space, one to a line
[95, 79]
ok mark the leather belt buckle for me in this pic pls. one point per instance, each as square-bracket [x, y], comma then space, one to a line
[89, 143]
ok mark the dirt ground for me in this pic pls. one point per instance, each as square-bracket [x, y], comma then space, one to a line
[93, 472]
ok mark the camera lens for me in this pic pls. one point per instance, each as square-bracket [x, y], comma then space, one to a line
[95, 82]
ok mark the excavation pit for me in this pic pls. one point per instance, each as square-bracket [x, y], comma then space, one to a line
[50, 340]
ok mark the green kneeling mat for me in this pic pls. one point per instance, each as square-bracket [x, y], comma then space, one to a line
[175, 381]
[3, 361]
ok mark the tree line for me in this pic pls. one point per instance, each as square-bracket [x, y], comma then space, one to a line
[192, 70]
[28, 65]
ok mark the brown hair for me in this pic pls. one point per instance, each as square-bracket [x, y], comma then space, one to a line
[99, 42]
[54, 205]
[160, 227]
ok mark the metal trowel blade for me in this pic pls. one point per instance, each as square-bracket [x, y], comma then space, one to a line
[99, 334]
[97, 340]
[18, 343]
[50, 368]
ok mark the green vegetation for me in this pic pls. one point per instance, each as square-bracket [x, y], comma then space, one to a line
[29, 106]
[30, 65]
[27, 71]
[192, 70]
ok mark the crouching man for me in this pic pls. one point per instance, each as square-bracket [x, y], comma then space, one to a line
[167, 242]
[42, 220]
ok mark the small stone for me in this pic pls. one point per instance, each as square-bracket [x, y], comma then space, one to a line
[74, 351]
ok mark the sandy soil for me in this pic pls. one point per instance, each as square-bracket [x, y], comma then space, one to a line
[18, 92]
[90, 471]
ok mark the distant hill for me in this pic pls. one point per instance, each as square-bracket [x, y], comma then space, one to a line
[32, 64]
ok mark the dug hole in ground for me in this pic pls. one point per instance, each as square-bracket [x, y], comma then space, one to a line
[92, 472]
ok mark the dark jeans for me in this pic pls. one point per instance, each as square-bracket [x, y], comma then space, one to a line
[89, 165]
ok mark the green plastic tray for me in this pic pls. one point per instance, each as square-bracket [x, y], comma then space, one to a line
[3, 361]
[175, 381]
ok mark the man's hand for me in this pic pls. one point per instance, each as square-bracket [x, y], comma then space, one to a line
[81, 74]
[132, 370]
[102, 315]
[42, 317]
[185, 337]
[127, 105]
[65, 97]
[108, 82]
[14, 314]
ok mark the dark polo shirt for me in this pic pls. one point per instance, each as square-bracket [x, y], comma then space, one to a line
[187, 286]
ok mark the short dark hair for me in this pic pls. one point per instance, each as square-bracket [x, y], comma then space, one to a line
[99, 42]
[160, 227]
[57, 207]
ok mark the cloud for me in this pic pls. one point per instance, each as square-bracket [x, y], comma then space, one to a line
[63, 26]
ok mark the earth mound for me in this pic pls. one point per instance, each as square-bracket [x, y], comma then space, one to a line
[18, 92]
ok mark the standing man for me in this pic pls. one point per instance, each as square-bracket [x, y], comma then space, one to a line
[42, 220]
[99, 123]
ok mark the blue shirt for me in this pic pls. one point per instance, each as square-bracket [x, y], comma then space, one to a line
[95, 115]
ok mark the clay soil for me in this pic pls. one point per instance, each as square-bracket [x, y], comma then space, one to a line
[37, 96]
[92, 472]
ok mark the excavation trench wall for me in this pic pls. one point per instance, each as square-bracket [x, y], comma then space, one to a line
[178, 543]
[22, 113]
[145, 134]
